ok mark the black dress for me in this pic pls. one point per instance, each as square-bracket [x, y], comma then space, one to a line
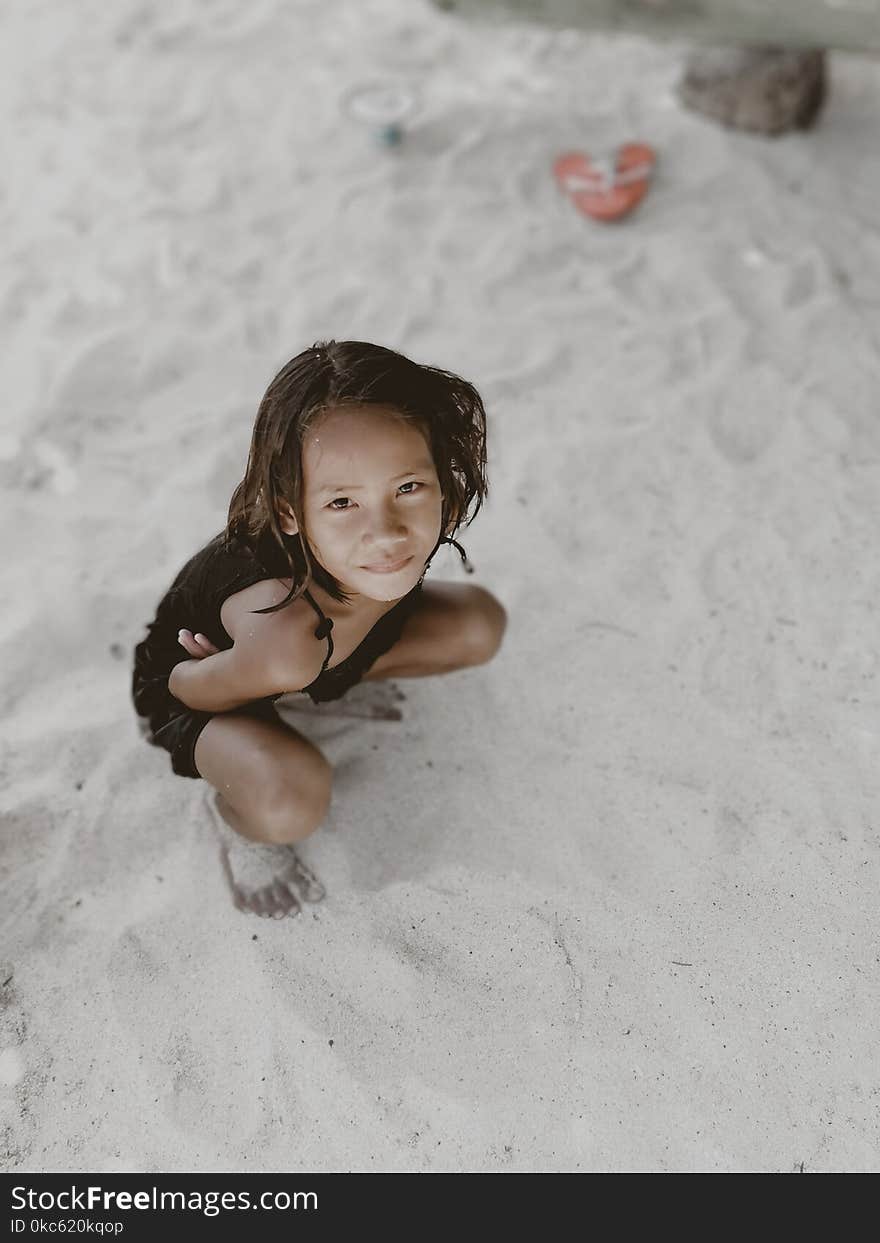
[193, 601]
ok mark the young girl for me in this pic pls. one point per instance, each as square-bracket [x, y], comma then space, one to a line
[361, 464]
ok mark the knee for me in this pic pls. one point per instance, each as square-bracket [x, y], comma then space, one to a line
[486, 627]
[293, 809]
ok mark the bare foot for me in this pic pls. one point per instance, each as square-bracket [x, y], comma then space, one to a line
[263, 879]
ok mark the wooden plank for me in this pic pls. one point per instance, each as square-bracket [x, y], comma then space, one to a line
[850, 25]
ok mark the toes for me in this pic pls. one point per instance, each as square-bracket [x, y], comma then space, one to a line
[277, 899]
[273, 901]
[243, 900]
[286, 902]
[311, 889]
[258, 903]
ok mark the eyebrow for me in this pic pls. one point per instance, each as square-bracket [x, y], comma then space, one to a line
[355, 487]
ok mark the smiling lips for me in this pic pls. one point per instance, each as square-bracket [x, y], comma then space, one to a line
[387, 567]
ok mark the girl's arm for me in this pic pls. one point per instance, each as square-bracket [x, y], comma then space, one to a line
[247, 671]
[209, 684]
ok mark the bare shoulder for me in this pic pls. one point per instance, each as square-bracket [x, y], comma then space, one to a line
[282, 642]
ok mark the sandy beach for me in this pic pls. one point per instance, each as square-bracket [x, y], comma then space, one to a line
[606, 903]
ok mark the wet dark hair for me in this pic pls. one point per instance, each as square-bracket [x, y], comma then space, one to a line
[330, 375]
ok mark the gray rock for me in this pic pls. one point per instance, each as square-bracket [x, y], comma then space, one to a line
[764, 89]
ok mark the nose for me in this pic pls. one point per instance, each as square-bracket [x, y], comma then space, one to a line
[388, 533]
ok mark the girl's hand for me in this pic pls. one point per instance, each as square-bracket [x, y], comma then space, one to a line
[196, 644]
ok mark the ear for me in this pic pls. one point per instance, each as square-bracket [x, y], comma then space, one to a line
[287, 519]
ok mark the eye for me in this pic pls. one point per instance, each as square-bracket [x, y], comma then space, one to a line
[411, 483]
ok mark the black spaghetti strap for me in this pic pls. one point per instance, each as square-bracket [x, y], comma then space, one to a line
[447, 539]
[323, 628]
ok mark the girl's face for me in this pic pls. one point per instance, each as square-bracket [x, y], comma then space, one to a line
[371, 500]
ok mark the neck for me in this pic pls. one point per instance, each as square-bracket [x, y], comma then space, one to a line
[359, 606]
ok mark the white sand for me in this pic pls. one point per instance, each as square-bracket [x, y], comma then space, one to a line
[607, 903]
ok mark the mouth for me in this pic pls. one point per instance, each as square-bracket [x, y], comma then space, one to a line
[389, 567]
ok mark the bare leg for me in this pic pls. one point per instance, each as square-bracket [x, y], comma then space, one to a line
[271, 788]
[455, 626]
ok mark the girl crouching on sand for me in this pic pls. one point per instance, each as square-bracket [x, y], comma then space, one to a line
[361, 464]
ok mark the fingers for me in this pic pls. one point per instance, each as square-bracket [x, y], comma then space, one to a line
[196, 645]
[187, 641]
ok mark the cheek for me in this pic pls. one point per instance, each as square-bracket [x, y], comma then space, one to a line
[321, 533]
[328, 535]
[429, 515]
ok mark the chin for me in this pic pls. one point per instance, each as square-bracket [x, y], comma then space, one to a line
[390, 586]
[386, 597]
